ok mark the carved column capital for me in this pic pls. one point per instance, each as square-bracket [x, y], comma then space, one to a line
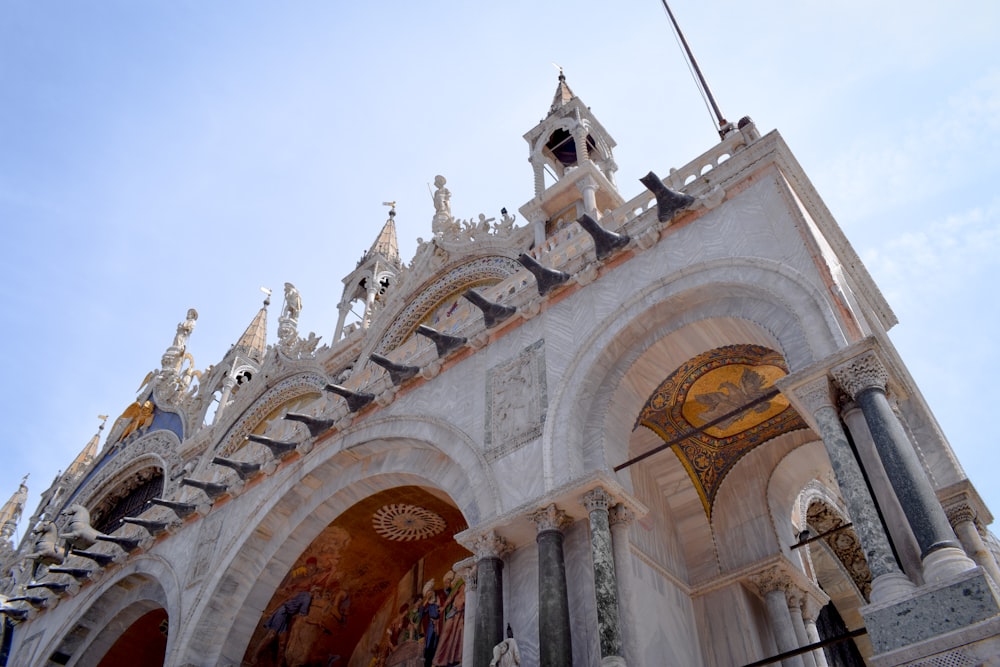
[551, 518]
[585, 183]
[619, 514]
[816, 395]
[864, 371]
[596, 499]
[959, 513]
[491, 545]
[769, 580]
[466, 569]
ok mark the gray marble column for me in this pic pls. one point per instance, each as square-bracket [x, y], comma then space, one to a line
[865, 379]
[794, 599]
[621, 519]
[887, 579]
[490, 549]
[554, 642]
[810, 612]
[771, 584]
[963, 519]
[605, 586]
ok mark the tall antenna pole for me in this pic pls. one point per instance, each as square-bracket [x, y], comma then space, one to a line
[697, 70]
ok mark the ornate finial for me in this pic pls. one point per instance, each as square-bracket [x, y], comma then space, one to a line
[562, 77]
[267, 295]
[392, 208]
[104, 419]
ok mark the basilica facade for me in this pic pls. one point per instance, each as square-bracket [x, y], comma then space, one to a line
[663, 430]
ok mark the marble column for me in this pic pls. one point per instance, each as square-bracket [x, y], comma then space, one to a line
[771, 584]
[865, 379]
[794, 598]
[621, 519]
[605, 586]
[490, 549]
[588, 188]
[963, 519]
[554, 642]
[810, 612]
[887, 579]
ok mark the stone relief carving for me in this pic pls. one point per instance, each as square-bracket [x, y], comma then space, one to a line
[862, 372]
[516, 401]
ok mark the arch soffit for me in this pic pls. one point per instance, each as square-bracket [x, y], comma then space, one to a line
[144, 583]
[800, 469]
[771, 296]
[391, 457]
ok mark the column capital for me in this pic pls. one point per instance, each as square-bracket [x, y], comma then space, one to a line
[550, 518]
[865, 371]
[491, 545]
[959, 513]
[585, 183]
[596, 499]
[816, 395]
[771, 579]
[619, 514]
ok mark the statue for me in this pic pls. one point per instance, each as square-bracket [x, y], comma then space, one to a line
[81, 534]
[506, 653]
[136, 418]
[443, 222]
[449, 651]
[506, 224]
[184, 330]
[46, 547]
[293, 303]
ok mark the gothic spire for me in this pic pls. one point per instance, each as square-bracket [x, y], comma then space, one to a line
[253, 343]
[10, 514]
[563, 94]
[86, 455]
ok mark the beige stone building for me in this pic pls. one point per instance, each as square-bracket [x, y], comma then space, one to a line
[636, 424]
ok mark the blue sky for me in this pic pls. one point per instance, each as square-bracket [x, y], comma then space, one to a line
[158, 156]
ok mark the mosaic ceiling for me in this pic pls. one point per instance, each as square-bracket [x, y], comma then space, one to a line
[699, 407]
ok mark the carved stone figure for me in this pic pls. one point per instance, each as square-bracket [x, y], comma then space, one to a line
[135, 419]
[81, 534]
[46, 548]
[184, 330]
[443, 223]
[506, 653]
[293, 303]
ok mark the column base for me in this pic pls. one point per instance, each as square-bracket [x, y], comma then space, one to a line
[933, 613]
[891, 586]
[945, 563]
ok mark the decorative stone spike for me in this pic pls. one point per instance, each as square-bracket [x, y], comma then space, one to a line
[77, 573]
[315, 426]
[445, 343]
[54, 586]
[243, 469]
[154, 528]
[547, 279]
[14, 613]
[129, 544]
[668, 202]
[211, 489]
[605, 241]
[355, 399]
[34, 600]
[182, 510]
[102, 560]
[277, 447]
[493, 313]
[397, 372]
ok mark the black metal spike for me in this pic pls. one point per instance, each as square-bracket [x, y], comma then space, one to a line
[668, 202]
[315, 426]
[54, 586]
[102, 560]
[398, 373]
[129, 544]
[277, 447]
[444, 342]
[77, 573]
[243, 469]
[182, 510]
[547, 279]
[605, 241]
[153, 527]
[493, 313]
[33, 600]
[212, 489]
[355, 399]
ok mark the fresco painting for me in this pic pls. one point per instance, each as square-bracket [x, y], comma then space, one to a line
[375, 589]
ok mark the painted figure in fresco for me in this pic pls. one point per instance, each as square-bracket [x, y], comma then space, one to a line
[506, 653]
[449, 651]
[280, 622]
[430, 620]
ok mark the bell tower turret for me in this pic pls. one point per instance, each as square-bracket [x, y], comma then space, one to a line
[572, 149]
